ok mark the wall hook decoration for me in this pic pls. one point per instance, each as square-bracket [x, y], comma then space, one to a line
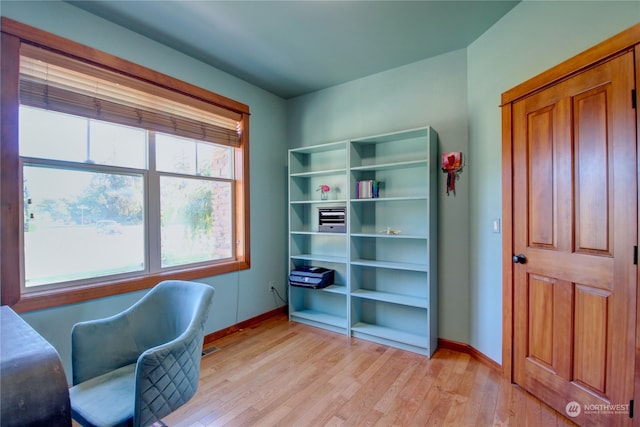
[452, 166]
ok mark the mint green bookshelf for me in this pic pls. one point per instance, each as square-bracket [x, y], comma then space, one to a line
[385, 286]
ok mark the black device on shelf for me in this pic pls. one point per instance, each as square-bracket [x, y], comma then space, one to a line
[311, 277]
[332, 220]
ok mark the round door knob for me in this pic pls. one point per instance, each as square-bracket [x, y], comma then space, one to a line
[519, 259]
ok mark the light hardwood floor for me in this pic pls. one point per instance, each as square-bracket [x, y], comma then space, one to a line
[288, 374]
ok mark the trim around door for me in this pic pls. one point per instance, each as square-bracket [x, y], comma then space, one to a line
[624, 41]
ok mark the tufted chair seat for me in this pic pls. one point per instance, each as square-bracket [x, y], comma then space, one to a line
[136, 367]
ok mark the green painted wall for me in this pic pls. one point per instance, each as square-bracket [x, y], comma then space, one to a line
[457, 93]
[433, 93]
[239, 296]
[531, 38]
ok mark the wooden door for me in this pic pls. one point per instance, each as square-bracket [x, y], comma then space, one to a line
[575, 224]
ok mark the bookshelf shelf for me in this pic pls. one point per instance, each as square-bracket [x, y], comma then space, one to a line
[321, 258]
[303, 175]
[385, 288]
[319, 202]
[396, 165]
[392, 298]
[335, 289]
[316, 318]
[389, 199]
[413, 342]
[391, 265]
[383, 235]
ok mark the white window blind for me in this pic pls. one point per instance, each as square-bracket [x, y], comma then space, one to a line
[51, 81]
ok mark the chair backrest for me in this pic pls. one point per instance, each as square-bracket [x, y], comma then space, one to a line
[167, 311]
[167, 372]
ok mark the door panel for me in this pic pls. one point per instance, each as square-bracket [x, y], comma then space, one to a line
[590, 338]
[592, 165]
[541, 293]
[575, 220]
[542, 222]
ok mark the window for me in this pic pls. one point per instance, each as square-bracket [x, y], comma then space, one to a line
[115, 176]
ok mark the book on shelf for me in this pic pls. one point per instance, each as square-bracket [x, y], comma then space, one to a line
[367, 189]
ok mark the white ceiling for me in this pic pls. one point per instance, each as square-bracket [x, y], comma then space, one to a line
[295, 47]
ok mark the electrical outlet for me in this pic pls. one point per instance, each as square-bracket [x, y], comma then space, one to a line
[272, 286]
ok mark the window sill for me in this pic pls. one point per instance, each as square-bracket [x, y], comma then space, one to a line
[58, 297]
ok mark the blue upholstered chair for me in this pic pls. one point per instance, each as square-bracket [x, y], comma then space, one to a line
[136, 367]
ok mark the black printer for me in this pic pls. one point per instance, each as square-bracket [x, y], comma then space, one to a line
[311, 277]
